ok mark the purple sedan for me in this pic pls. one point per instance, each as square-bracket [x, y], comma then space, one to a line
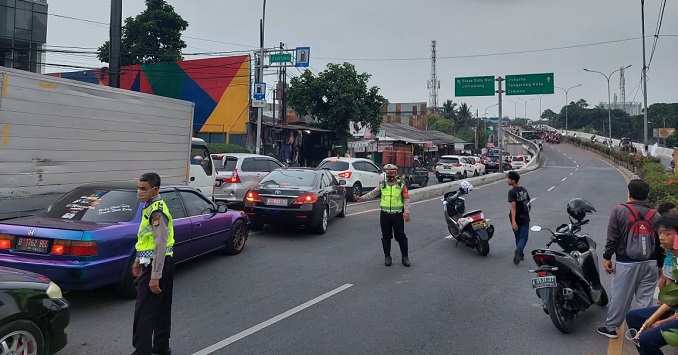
[86, 238]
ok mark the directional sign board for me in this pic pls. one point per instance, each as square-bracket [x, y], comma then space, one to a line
[259, 91]
[280, 58]
[529, 84]
[258, 103]
[302, 57]
[474, 86]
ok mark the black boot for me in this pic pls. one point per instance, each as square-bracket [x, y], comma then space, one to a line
[387, 260]
[406, 261]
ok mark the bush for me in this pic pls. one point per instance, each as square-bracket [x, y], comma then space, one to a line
[218, 148]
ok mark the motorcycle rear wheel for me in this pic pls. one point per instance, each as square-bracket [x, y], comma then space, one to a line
[561, 318]
[483, 247]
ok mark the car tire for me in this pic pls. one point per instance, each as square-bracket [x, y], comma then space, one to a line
[235, 242]
[28, 331]
[321, 228]
[356, 190]
[342, 213]
[256, 224]
[127, 289]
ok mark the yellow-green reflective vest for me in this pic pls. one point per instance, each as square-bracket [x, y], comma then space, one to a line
[392, 197]
[145, 243]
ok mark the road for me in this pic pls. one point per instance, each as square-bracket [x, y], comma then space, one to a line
[293, 292]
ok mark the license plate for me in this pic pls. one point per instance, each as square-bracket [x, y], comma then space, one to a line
[32, 244]
[276, 201]
[479, 224]
[544, 281]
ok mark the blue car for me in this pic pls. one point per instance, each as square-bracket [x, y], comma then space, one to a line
[86, 239]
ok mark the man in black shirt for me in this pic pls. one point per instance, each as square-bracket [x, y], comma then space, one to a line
[519, 214]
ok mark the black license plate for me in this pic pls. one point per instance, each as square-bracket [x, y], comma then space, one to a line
[544, 281]
[276, 201]
[32, 244]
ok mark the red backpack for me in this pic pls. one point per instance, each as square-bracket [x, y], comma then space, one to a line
[640, 242]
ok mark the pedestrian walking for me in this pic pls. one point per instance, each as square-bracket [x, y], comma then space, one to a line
[635, 245]
[395, 211]
[154, 270]
[519, 214]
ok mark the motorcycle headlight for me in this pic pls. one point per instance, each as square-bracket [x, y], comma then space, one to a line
[54, 291]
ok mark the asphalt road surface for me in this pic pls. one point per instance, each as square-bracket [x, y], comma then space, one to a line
[294, 292]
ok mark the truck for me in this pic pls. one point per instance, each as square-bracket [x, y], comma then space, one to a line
[416, 173]
[56, 134]
[514, 149]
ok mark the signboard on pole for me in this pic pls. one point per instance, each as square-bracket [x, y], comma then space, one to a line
[474, 86]
[280, 58]
[663, 132]
[529, 84]
[259, 103]
[259, 92]
[302, 57]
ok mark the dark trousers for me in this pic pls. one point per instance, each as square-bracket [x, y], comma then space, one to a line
[153, 312]
[651, 340]
[393, 224]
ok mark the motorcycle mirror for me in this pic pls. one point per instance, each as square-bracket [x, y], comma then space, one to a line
[535, 228]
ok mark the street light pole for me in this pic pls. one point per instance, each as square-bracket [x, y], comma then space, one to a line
[515, 109]
[609, 101]
[520, 98]
[567, 103]
[260, 69]
[642, 14]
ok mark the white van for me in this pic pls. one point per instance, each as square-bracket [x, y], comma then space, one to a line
[201, 173]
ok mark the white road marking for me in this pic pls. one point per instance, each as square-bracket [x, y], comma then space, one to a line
[563, 179]
[551, 188]
[577, 165]
[571, 174]
[449, 237]
[558, 149]
[530, 201]
[570, 158]
[574, 161]
[262, 325]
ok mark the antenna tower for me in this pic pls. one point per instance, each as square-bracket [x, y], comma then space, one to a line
[433, 83]
[622, 88]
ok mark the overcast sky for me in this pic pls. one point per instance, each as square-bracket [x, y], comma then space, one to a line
[391, 39]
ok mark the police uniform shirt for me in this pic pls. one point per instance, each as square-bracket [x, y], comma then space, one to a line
[159, 226]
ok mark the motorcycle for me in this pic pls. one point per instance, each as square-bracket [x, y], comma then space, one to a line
[469, 228]
[568, 282]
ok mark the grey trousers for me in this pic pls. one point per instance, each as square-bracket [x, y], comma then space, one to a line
[629, 279]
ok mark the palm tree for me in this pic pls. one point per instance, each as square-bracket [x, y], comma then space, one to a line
[464, 115]
[449, 110]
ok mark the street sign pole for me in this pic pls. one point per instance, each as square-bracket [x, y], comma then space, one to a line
[500, 133]
[260, 110]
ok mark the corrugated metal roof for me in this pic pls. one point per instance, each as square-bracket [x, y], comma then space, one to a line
[409, 134]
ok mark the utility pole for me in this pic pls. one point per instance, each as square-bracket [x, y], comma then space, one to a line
[115, 44]
[283, 92]
[260, 77]
[642, 15]
[500, 133]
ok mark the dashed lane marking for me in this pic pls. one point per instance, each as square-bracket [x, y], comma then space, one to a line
[564, 179]
[533, 199]
[551, 188]
[571, 174]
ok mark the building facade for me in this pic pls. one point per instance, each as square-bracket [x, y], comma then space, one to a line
[411, 113]
[23, 34]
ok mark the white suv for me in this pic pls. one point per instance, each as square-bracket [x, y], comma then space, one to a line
[453, 167]
[518, 161]
[478, 166]
[360, 174]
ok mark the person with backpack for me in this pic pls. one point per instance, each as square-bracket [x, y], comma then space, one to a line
[632, 239]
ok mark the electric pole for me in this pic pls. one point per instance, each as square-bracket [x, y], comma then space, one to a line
[115, 44]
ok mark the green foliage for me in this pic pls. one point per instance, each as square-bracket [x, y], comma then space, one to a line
[450, 110]
[336, 96]
[669, 296]
[153, 36]
[672, 140]
[218, 148]
[438, 123]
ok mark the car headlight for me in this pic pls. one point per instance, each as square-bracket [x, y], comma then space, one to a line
[54, 291]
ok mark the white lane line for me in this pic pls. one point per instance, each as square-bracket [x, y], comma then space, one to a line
[262, 325]
[574, 161]
[563, 179]
[533, 199]
[570, 158]
[577, 165]
[571, 174]
[558, 149]
[551, 188]
[449, 237]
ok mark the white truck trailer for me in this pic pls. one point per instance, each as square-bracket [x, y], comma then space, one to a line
[56, 134]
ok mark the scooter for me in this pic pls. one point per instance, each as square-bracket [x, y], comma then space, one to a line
[568, 282]
[469, 228]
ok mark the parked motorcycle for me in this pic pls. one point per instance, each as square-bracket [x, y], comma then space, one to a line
[568, 282]
[469, 228]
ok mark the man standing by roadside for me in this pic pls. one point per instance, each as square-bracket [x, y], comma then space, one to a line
[154, 270]
[630, 276]
[395, 211]
[519, 214]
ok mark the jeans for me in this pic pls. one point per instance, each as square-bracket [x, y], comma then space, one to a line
[521, 236]
[651, 339]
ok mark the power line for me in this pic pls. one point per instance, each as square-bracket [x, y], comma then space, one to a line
[660, 19]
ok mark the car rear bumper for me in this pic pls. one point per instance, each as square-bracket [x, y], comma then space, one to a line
[271, 215]
[72, 275]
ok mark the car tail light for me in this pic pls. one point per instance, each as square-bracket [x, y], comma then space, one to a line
[456, 164]
[75, 248]
[252, 196]
[6, 241]
[345, 174]
[235, 178]
[305, 198]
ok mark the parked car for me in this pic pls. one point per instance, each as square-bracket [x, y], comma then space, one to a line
[33, 313]
[492, 164]
[304, 197]
[239, 172]
[86, 239]
[360, 174]
[478, 166]
[453, 167]
[518, 161]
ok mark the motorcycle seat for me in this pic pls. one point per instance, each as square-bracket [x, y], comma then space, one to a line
[471, 213]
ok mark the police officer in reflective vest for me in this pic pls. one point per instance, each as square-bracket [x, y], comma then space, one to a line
[154, 270]
[395, 211]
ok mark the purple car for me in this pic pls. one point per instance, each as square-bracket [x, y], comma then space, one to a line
[86, 238]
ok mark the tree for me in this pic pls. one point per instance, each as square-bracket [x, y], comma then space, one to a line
[672, 140]
[337, 96]
[441, 124]
[464, 115]
[153, 36]
[450, 110]
[581, 103]
[548, 114]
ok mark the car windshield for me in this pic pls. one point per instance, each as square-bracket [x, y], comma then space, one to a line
[289, 178]
[445, 160]
[94, 205]
[226, 164]
[333, 165]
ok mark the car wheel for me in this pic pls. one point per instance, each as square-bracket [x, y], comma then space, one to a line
[235, 242]
[127, 288]
[322, 227]
[342, 213]
[22, 337]
[256, 224]
[356, 190]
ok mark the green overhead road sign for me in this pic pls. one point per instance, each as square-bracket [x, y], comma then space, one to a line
[280, 58]
[474, 86]
[529, 84]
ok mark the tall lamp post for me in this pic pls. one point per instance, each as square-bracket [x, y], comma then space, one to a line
[567, 103]
[609, 101]
[515, 109]
[485, 122]
[521, 99]
[260, 110]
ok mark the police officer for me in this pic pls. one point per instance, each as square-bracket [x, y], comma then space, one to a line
[395, 211]
[154, 270]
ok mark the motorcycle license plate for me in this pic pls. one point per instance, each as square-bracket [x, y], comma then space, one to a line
[544, 281]
[479, 224]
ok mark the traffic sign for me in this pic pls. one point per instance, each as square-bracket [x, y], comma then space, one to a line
[259, 92]
[303, 55]
[529, 84]
[258, 103]
[280, 58]
[474, 86]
